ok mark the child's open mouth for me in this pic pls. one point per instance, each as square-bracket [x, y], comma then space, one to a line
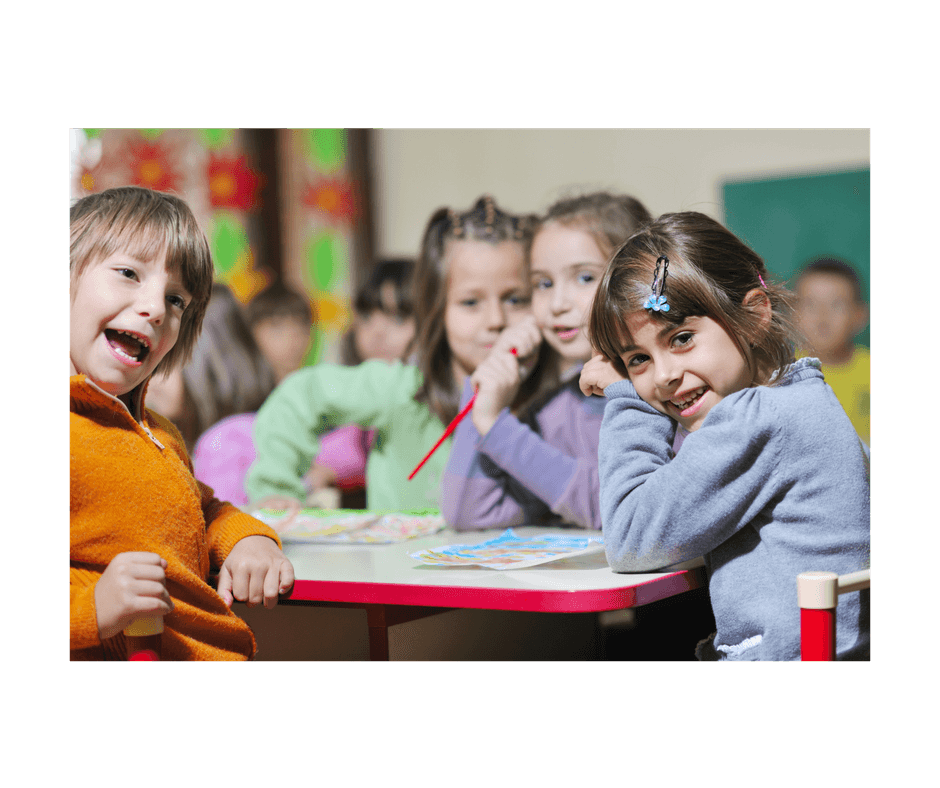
[131, 347]
[687, 404]
[566, 333]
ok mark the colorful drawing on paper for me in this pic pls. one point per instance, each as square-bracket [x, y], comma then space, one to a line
[509, 551]
[349, 526]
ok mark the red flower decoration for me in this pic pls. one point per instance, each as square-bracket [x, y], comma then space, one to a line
[151, 166]
[334, 197]
[232, 183]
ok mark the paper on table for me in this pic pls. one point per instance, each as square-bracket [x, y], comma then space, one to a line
[508, 551]
[350, 526]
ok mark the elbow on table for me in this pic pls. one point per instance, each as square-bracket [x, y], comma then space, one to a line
[464, 519]
[624, 559]
[463, 522]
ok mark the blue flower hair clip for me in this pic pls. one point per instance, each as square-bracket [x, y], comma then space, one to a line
[657, 301]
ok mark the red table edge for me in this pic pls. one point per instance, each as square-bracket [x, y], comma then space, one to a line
[593, 600]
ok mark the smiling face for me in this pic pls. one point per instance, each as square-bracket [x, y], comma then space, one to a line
[486, 292]
[125, 317]
[566, 266]
[685, 370]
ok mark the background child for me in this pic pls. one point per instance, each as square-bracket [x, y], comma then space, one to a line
[383, 328]
[770, 480]
[227, 376]
[216, 395]
[832, 313]
[143, 532]
[470, 284]
[504, 470]
[383, 325]
[281, 320]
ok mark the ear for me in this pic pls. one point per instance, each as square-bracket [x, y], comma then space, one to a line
[861, 317]
[758, 301]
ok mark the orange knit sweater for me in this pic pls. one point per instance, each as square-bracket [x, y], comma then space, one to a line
[132, 488]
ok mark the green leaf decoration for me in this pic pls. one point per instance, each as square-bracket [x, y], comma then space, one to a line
[228, 241]
[151, 134]
[216, 138]
[326, 148]
[326, 260]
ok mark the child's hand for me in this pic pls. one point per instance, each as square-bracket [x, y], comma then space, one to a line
[597, 374]
[497, 380]
[256, 570]
[132, 585]
[320, 477]
[525, 338]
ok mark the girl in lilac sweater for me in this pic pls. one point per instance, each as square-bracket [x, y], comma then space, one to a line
[540, 467]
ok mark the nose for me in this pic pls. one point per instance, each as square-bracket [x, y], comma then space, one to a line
[560, 302]
[495, 315]
[668, 373]
[151, 304]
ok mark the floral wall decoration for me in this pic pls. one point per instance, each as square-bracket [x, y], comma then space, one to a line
[316, 217]
[208, 168]
[321, 218]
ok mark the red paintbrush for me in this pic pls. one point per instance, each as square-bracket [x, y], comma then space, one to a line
[450, 428]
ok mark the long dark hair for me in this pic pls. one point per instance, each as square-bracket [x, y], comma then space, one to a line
[485, 221]
[228, 373]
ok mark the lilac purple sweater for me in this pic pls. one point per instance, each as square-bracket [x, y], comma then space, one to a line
[519, 474]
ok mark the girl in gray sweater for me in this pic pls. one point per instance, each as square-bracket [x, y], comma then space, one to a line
[717, 443]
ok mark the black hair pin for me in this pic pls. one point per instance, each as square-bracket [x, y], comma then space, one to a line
[657, 301]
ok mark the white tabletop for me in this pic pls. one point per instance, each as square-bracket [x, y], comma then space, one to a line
[386, 574]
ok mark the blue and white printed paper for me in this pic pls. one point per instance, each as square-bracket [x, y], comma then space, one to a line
[508, 551]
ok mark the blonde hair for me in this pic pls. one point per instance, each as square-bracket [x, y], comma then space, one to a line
[710, 274]
[146, 224]
[609, 218]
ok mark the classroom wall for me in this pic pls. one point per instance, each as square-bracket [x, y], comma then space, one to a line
[419, 170]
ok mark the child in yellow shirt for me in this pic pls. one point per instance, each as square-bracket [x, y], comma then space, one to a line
[832, 312]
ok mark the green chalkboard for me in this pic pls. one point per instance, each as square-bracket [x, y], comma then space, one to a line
[789, 221]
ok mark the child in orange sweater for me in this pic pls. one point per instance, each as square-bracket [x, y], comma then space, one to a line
[144, 533]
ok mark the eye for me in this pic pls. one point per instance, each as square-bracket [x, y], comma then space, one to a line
[517, 300]
[586, 277]
[127, 273]
[682, 339]
[469, 302]
[178, 301]
[634, 362]
[542, 283]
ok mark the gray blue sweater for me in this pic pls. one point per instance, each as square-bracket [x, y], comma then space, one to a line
[775, 482]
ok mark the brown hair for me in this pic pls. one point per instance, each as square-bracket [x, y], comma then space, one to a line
[835, 267]
[228, 373]
[279, 300]
[609, 218]
[483, 222]
[146, 224]
[399, 273]
[710, 273]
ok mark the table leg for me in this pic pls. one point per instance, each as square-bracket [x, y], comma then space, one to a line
[378, 642]
[381, 617]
